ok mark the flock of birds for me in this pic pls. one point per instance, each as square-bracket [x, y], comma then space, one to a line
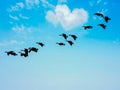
[106, 19]
[25, 52]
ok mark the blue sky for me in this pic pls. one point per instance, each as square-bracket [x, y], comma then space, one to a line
[92, 63]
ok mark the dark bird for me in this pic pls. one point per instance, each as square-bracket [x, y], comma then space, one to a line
[73, 36]
[99, 14]
[14, 54]
[106, 18]
[11, 53]
[33, 49]
[61, 44]
[88, 27]
[25, 50]
[23, 54]
[102, 25]
[64, 35]
[40, 43]
[70, 42]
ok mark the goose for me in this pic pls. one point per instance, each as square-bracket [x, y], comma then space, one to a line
[73, 36]
[64, 35]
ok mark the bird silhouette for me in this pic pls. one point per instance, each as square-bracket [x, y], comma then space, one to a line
[102, 25]
[11, 53]
[26, 51]
[23, 54]
[33, 49]
[64, 35]
[70, 42]
[99, 14]
[73, 36]
[40, 43]
[106, 18]
[61, 44]
[88, 27]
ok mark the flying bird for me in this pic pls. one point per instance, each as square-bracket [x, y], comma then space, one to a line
[102, 25]
[40, 43]
[106, 18]
[99, 14]
[33, 49]
[88, 27]
[11, 53]
[26, 51]
[73, 36]
[23, 54]
[64, 35]
[61, 44]
[70, 42]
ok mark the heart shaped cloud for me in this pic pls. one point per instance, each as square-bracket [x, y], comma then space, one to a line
[66, 18]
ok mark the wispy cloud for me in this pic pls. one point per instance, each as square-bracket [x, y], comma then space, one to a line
[27, 4]
[16, 42]
[62, 1]
[96, 2]
[104, 11]
[32, 3]
[99, 1]
[66, 18]
[91, 3]
[17, 7]
[46, 4]
[10, 22]
[23, 17]
[22, 29]
[13, 17]
[18, 28]
[105, 3]
[11, 42]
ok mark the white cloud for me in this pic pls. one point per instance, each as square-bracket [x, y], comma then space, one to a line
[91, 3]
[31, 3]
[66, 18]
[22, 29]
[104, 11]
[105, 3]
[10, 22]
[18, 6]
[18, 28]
[16, 42]
[11, 42]
[23, 17]
[62, 1]
[13, 17]
[46, 4]
[99, 1]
